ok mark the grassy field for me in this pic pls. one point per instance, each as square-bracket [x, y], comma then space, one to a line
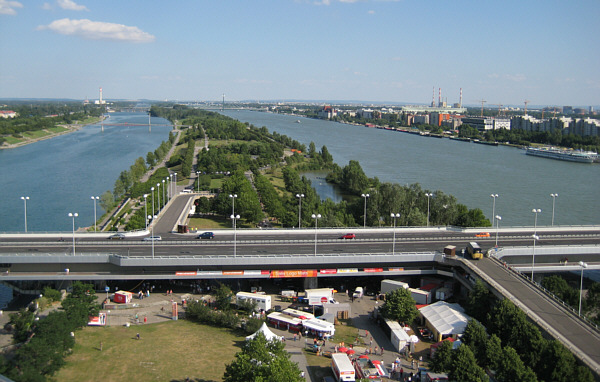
[169, 351]
[203, 224]
[36, 134]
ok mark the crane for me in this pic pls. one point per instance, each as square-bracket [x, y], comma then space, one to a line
[482, 102]
[499, 107]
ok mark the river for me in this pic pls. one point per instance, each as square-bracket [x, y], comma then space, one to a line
[469, 171]
[61, 174]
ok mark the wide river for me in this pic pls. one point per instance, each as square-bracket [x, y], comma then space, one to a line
[469, 171]
[61, 174]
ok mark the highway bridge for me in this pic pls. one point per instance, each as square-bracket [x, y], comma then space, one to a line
[315, 254]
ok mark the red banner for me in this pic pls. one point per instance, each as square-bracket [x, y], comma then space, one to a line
[328, 271]
[373, 269]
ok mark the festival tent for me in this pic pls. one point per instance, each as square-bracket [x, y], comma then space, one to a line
[264, 329]
[445, 320]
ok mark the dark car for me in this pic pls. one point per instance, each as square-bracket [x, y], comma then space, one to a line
[117, 236]
[206, 235]
[348, 236]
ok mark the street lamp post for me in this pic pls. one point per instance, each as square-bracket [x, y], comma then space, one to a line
[299, 196]
[365, 210]
[95, 198]
[146, 210]
[152, 233]
[234, 218]
[175, 185]
[233, 197]
[498, 218]
[535, 237]
[582, 265]
[198, 179]
[25, 199]
[170, 186]
[152, 189]
[164, 192]
[536, 212]
[73, 215]
[158, 196]
[494, 196]
[429, 195]
[394, 216]
[554, 196]
[316, 217]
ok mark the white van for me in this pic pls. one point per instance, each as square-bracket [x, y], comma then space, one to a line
[358, 292]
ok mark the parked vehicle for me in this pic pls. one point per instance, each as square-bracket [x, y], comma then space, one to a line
[206, 235]
[358, 292]
[117, 236]
[342, 367]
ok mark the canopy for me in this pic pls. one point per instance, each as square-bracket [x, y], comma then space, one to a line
[446, 318]
[264, 329]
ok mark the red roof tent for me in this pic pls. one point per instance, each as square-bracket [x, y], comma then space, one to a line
[436, 345]
[419, 306]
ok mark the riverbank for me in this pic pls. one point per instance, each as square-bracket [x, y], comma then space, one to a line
[41, 135]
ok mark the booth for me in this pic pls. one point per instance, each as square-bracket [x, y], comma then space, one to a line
[319, 328]
[123, 297]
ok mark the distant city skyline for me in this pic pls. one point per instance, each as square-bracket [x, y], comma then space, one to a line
[380, 51]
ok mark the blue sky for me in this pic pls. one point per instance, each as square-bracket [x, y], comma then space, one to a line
[505, 52]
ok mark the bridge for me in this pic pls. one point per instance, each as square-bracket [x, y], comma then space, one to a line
[318, 254]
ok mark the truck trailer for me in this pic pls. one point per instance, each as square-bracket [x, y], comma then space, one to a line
[342, 367]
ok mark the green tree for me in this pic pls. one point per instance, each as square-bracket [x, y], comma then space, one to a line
[480, 301]
[223, 295]
[150, 159]
[476, 338]
[354, 178]
[107, 201]
[22, 322]
[464, 367]
[80, 304]
[442, 358]
[262, 361]
[493, 353]
[512, 369]
[399, 306]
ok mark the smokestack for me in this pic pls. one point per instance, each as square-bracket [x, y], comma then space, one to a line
[433, 97]
[440, 97]
[460, 102]
[100, 96]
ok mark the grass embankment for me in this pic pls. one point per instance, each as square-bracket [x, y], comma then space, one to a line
[169, 351]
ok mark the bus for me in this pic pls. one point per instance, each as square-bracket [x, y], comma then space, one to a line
[474, 250]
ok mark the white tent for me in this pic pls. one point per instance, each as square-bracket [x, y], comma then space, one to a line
[445, 319]
[264, 329]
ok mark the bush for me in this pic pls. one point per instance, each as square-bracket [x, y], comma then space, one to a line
[51, 294]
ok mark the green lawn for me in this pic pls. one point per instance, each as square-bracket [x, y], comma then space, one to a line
[169, 351]
[57, 129]
[36, 134]
[12, 140]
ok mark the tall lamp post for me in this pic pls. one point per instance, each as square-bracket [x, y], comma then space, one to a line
[152, 189]
[234, 218]
[158, 197]
[394, 216]
[299, 196]
[494, 196]
[535, 238]
[152, 233]
[582, 265]
[170, 186]
[233, 197]
[198, 179]
[536, 212]
[365, 209]
[316, 217]
[175, 184]
[25, 199]
[164, 192]
[554, 196]
[146, 210]
[73, 215]
[95, 198]
[429, 195]
[498, 218]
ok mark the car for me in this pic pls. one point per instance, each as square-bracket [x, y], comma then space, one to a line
[483, 234]
[348, 236]
[117, 236]
[206, 235]
[152, 238]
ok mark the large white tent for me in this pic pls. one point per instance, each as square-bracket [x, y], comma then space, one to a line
[445, 319]
[264, 329]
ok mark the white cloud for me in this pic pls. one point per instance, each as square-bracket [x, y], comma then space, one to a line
[96, 30]
[8, 7]
[47, 7]
[71, 5]
[515, 77]
[371, 12]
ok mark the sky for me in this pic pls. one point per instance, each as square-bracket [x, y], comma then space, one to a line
[503, 52]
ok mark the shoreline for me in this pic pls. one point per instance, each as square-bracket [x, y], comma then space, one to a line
[70, 129]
